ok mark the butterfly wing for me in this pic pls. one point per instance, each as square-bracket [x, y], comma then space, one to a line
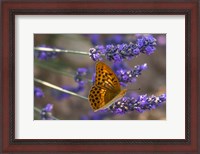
[100, 97]
[106, 90]
[106, 78]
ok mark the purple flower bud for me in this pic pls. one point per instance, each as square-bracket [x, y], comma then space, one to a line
[82, 71]
[46, 112]
[162, 97]
[149, 50]
[100, 49]
[42, 55]
[48, 107]
[94, 54]
[144, 66]
[140, 42]
[38, 92]
[117, 57]
[136, 51]
[79, 74]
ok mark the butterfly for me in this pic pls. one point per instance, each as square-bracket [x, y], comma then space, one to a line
[106, 89]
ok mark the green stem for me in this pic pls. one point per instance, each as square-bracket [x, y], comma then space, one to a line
[60, 50]
[51, 68]
[39, 111]
[58, 88]
[55, 69]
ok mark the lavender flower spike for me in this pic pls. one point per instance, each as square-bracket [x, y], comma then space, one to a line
[140, 104]
[117, 53]
[126, 76]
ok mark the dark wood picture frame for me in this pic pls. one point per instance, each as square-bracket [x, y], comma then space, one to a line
[47, 7]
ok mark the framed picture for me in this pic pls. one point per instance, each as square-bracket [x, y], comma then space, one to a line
[100, 76]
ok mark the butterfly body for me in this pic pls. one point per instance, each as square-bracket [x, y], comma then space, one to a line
[106, 89]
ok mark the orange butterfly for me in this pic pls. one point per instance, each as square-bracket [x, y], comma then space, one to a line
[106, 89]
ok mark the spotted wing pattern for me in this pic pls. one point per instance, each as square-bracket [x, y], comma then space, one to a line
[105, 89]
[98, 97]
[106, 78]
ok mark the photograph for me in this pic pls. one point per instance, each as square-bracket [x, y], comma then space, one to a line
[100, 76]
